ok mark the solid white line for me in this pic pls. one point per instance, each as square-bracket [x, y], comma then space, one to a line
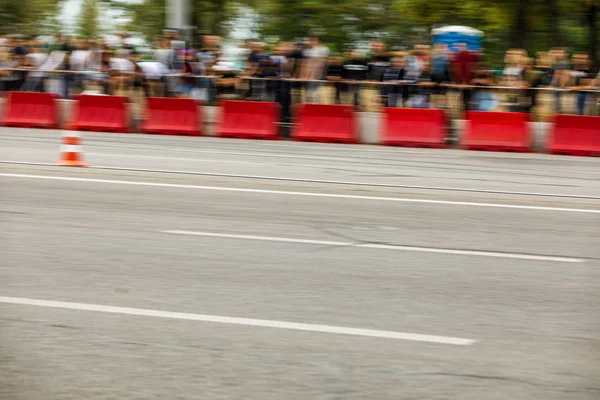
[308, 194]
[176, 159]
[308, 180]
[239, 321]
[382, 246]
[203, 160]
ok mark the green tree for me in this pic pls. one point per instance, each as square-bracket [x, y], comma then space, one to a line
[148, 17]
[208, 16]
[32, 17]
[591, 18]
[87, 24]
[535, 25]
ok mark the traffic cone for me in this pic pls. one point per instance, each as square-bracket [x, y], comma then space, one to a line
[71, 154]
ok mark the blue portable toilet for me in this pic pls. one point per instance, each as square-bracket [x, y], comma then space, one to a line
[453, 35]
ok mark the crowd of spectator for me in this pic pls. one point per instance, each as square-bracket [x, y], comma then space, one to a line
[294, 72]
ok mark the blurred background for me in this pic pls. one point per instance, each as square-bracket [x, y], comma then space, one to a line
[535, 25]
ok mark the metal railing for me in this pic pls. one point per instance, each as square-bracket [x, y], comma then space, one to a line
[371, 96]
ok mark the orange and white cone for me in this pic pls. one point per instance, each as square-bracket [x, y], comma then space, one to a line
[71, 151]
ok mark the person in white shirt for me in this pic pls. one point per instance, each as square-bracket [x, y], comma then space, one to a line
[154, 72]
[34, 60]
[313, 67]
[80, 57]
[121, 72]
[79, 62]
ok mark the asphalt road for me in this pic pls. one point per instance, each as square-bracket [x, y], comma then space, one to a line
[199, 268]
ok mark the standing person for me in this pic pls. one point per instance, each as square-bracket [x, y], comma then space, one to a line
[62, 44]
[209, 52]
[354, 72]
[539, 76]
[13, 80]
[440, 73]
[165, 55]
[335, 71]
[414, 68]
[313, 67]
[295, 58]
[207, 57]
[154, 73]
[560, 75]
[104, 72]
[463, 64]
[424, 88]
[139, 83]
[482, 99]
[379, 61]
[173, 36]
[226, 81]
[439, 63]
[80, 62]
[254, 66]
[268, 71]
[35, 59]
[513, 76]
[581, 78]
[393, 77]
[122, 71]
[282, 84]
[191, 67]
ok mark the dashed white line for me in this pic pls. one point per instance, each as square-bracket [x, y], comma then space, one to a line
[306, 194]
[476, 253]
[263, 323]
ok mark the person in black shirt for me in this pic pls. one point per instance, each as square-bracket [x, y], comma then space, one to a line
[355, 71]
[335, 70]
[295, 58]
[268, 70]
[378, 63]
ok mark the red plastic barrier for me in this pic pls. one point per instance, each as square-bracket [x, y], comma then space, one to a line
[249, 120]
[172, 116]
[101, 113]
[31, 110]
[413, 127]
[326, 123]
[497, 131]
[575, 135]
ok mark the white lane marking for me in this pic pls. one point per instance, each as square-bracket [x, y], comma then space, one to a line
[307, 194]
[253, 154]
[381, 246]
[222, 161]
[326, 181]
[264, 323]
[176, 159]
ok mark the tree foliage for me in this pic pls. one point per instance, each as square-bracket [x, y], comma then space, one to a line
[87, 26]
[31, 17]
[536, 25]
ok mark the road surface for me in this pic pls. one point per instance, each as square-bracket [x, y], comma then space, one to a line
[200, 268]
